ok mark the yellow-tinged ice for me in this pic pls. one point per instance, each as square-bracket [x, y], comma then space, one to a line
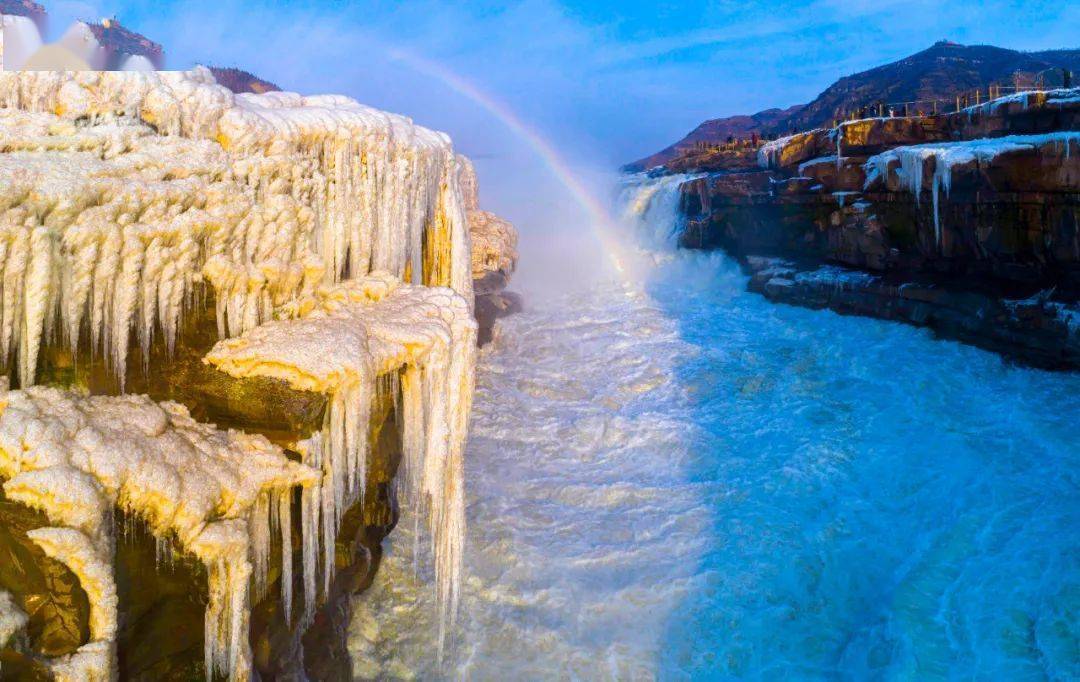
[494, 244]
[148, 183]
[338, 342]
[494, 239]
[76, 457]
[121, 194]
[12, 618]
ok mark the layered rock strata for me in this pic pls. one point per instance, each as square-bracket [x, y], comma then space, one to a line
[983, 204]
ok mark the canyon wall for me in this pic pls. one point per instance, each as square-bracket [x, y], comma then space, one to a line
[969, 223]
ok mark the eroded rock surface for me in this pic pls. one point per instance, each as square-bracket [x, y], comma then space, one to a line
[920, 200]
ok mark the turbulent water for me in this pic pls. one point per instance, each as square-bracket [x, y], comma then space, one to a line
[673, 478]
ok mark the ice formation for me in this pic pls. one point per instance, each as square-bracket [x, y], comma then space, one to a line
[78, 457]
[494, 244]
[12, 619]
[910, 162]
[817, 162]
[339, 342]
[768, 155]
[178, 181]
[1056, 97]
[334, 240]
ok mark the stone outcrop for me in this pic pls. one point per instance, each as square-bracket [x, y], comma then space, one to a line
[240, 81]
[1042, 332]
[494, 256]
[983, 203]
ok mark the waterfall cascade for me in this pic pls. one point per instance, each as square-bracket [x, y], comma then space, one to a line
[334, 241]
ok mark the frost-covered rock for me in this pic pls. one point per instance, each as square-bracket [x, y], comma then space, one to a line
[1004, 164]
[339, 342]
[494, 245]
[177, 181]
[494, 239]
[212, 492]
[330, 234]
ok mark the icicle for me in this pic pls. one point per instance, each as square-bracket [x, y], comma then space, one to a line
[839, 139]
[279, 194]
[38, 287]
[259, 531]
[284, 516]
[352, 334]
[310, 507]
[75, 456]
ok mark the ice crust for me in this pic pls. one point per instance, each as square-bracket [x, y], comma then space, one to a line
[122, 191]
[335, 241]
[909, 162]
[339, 342]
[78, 457]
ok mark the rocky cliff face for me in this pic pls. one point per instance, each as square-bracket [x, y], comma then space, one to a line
[121, 43]
[980, 208]
[240, 81]
[22, 8]
[494, 256]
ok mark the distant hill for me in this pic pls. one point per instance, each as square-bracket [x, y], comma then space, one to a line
[940, 72]
[239, 80]
[718, 130]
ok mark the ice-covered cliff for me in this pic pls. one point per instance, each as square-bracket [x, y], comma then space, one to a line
[333, 242]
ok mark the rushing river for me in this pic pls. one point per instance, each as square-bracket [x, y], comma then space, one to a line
[676, 479]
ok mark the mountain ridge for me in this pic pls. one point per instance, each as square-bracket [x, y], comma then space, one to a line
[941, 72]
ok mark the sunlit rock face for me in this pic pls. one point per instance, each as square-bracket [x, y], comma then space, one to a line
[330, 242]
[970, 220]
[494, 245]
[494, 240]
[494, 255]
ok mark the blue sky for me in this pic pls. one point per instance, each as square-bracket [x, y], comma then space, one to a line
[606, 81]
[615, 79]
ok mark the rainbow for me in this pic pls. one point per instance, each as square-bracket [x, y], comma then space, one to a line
[599, 217]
